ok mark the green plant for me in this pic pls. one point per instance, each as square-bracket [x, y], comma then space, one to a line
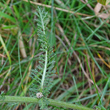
[42, 76]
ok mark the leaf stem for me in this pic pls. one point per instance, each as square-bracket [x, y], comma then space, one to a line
[6, 99]
[44, 72]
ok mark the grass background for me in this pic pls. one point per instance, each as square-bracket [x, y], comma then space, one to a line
[81, 41]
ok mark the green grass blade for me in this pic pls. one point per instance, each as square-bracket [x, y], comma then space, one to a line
[8, 17]
[5, 49]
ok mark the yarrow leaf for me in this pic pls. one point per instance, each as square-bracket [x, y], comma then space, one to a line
[42, 75]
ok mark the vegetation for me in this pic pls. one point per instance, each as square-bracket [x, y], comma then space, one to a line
[54, 55]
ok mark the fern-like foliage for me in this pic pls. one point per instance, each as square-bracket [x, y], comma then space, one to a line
[42, 75]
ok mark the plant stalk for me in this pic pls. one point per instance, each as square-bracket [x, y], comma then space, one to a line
[13, 99]
[44, 72]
